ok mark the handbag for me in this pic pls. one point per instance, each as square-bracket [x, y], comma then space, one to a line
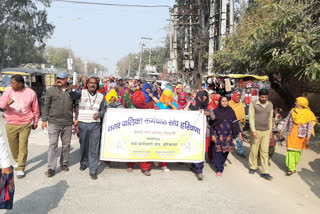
[6, 190]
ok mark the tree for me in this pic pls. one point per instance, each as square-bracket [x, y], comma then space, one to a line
[23, 31]
[58, 58]
[275, 38]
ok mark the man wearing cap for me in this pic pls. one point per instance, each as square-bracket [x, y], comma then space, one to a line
[58, 112]
[188, 91]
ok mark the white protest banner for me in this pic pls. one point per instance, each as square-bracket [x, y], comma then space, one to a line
[140, 135]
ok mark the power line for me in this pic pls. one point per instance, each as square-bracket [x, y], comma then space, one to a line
[114, 5]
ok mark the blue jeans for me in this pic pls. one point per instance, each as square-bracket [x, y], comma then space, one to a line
[239, 146]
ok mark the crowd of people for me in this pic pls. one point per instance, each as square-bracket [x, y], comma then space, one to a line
[83, 106]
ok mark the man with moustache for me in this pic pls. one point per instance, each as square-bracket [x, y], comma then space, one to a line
[58, 112]
[92, 107]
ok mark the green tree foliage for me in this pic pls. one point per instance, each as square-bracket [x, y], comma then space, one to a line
[58, 58]
[23, 31]
[275, 38]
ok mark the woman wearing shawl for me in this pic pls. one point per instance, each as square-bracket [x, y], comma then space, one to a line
[182, 101]
[112, 100]
[214, 102]
[165, 102]
[200, 104]
[149, 94]
[236, 104]
[127, 102]
[300, 125]
[179, 89]
[145, 166]
[225, 126]
[139, 99]
[175, 98]
[211, 106]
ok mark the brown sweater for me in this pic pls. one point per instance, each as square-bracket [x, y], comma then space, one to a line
[260, 117]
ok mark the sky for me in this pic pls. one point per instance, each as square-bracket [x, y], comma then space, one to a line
[105, 34]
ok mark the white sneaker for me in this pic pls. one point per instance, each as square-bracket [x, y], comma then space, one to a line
[165, 169]
[15, 167]
[20, 174]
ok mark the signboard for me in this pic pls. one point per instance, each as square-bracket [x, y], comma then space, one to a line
[151, 69]
[139, 135]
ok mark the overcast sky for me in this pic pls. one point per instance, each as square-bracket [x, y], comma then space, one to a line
[103, 33]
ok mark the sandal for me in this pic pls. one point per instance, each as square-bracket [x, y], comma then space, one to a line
[146, 173]
[291, 172]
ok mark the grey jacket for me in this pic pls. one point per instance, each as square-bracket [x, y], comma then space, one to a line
[58, 106]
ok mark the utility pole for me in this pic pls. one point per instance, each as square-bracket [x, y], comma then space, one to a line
[223, 22]
[242, 6]
[142, 45]
[171, 64]
[170, 33]
[198, 76]
[150, 53]
[129, 70]
[231, 16]
[175, 41]
[139, 70]
[211, 35]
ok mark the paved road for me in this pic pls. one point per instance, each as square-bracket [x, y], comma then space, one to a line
[178, 191]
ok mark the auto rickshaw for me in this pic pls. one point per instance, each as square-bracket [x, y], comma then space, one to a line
[33, 79]
[50, 79]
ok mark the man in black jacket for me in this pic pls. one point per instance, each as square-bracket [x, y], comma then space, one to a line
[58, 112]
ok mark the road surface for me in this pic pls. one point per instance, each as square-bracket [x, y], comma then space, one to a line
[178, 191]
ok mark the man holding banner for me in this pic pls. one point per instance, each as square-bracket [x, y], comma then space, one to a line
[92, 108]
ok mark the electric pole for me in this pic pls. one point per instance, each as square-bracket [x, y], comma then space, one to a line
[242, 6]
[175, 41]
[129, 70]
[140, 62]
[223, 22]
[231, 16]
[141, 52]
[199, 72]
[211, 35]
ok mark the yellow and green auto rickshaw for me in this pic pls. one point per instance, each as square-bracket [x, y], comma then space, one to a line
[50, 79]
[33, 79]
